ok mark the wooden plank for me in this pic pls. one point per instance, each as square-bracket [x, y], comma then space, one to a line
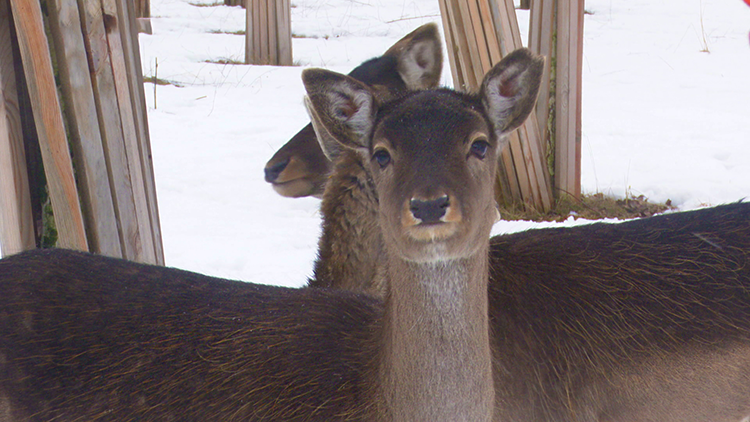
[493, 44]
[480, 36]
[83, 128]
[49, 124]
[248, 32]
[470, 81]
[16, 220]
[263, 19]
[542, 24]
[146, 253]
[273, 45]
[567, 129]
[257, 39]
[110, 124]
[580, 14]
[472, 52]
[451, 45]
[284, 33]
[138, 102]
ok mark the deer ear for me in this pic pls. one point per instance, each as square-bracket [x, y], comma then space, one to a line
[331, 147]
[419, 57]
[510, 88]
[342, 109]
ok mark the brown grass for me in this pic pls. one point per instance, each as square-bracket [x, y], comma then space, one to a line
[591, 207]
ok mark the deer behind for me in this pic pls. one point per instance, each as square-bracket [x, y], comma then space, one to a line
[300, 168]
[92, 338]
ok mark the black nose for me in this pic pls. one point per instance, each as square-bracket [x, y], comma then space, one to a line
[429, 211]
[273, 172]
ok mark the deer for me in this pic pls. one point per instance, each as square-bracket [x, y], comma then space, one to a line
[468, 329]
[86, 337]
[300, 168]
[687, 272]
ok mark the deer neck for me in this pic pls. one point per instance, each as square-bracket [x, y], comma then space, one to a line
[436, 361]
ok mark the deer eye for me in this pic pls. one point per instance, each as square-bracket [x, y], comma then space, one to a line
[382, 157]
[479, 148]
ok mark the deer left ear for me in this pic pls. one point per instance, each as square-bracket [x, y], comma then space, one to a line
[341, 108]
[510, 88]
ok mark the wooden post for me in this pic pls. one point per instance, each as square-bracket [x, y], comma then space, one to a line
[268, 32]
[16, 221]
[568, 97]
[132, 53]
[49, 123]
[542, 25]
[142, 8]
[83, 127]
[478, 33]
[110, 124]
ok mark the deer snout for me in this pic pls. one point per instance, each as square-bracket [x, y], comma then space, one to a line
[273, 171]
[429, 211]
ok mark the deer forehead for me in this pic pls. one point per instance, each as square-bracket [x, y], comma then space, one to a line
[430, 124]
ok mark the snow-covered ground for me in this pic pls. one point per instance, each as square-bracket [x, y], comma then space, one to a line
[661, 117]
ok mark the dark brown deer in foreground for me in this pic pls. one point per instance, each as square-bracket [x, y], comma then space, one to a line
[92, 338]
[300, 168]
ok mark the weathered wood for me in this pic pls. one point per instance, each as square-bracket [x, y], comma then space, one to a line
[110, 124]
[83, 127]
[451, 44]
[542, 25]
[58, 166]
[285, 34]
[16, 220]
[143, 8]
[568, 97]
[268, 32]
[113, 24]
[473, 33]
[273, 47]
[131, 47]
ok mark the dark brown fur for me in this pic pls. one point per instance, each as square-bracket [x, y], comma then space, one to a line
[85, 337]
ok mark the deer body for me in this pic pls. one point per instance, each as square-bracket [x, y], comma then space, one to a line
[92, 338]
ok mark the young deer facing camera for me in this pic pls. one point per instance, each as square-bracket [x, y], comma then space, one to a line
[92, 338]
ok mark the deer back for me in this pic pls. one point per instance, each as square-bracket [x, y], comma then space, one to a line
[86, 337]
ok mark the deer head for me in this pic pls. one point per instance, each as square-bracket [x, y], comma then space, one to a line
[300, 167]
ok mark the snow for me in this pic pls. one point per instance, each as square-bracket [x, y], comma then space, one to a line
[660, 117]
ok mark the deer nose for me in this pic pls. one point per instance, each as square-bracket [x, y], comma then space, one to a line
[273, 172]
[430, 211]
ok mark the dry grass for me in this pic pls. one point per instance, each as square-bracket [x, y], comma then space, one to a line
[225, 61]
[159, 81]
[591, 207]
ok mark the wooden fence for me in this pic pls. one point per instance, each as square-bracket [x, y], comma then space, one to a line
[478, 33]
[268, 39]
[103, 194]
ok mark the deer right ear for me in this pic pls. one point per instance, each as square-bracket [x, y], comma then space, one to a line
[510, 88]
[342, 109]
